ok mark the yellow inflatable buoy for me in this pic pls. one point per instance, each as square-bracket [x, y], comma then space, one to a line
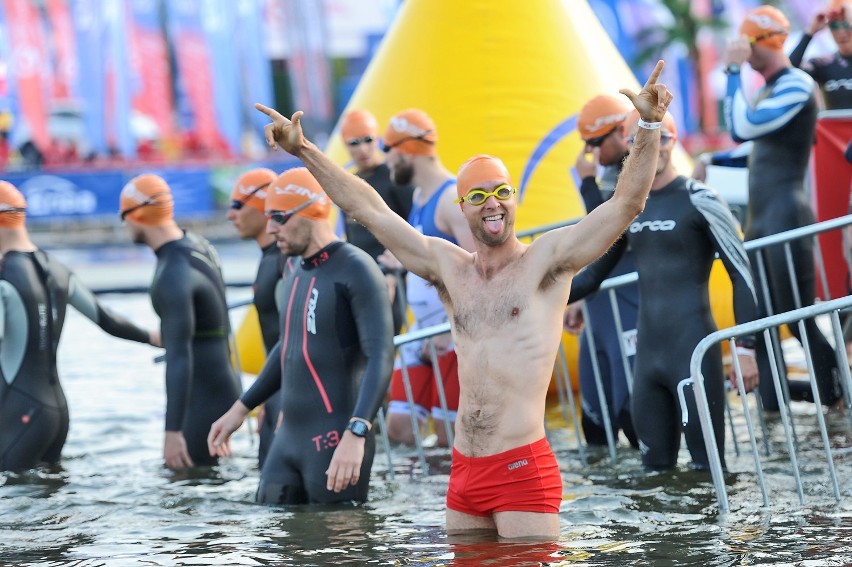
[249, 343]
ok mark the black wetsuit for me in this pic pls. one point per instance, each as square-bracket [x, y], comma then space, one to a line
[398, 198]
[266, 286]
[35, 291]
[833, 73]
[335, 364]
[607, 347]
[781, 125]
[188, 294]
[674, 242]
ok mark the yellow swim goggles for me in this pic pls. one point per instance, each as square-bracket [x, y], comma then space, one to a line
[477, 197]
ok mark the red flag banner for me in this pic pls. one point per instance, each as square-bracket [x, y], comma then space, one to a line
[832, 176]
[29, 61]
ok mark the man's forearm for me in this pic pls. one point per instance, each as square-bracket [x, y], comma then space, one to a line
[635, 180]
[348, 191]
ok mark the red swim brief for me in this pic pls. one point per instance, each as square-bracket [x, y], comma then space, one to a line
[524, 479]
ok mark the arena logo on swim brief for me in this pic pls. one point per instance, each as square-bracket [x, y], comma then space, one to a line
[518, 464]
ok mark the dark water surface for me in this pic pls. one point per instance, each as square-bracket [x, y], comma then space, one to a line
[112, 503]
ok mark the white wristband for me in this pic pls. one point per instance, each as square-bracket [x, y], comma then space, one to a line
[650, 125]
[745, 351]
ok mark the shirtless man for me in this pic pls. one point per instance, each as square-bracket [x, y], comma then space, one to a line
[504, 476]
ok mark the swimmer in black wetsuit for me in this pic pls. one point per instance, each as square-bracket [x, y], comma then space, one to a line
[360, 133]
[833, 73]
[333, 361]
[248, 201]
[35, 291]
[189, 296]
[674, 242]
[781, 125]
[601, 126]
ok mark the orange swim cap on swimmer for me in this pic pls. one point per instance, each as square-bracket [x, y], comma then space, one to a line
[411, 132]
[295, 187]
[478, 170]
[668, 122]
[357, 124]
[12, 206]
[766, 26]
[252, 187]
[147, 200]
[600, 115]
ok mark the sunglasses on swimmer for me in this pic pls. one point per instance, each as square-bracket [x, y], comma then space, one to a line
[281, 217]
[152, 200]
[767, 35]
[477, 197]
[238, 204]
[352, 142]
[598, 142]
[13, 210]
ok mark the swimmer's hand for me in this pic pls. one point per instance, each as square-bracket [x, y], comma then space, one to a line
[219, 438]
[283, 133]
[573, 321]
[155, 339]
[748, 367]
[654, 99]
[587, 167]
[175, 453]
[345, 467]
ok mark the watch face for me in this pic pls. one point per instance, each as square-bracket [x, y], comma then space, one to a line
[358, 428]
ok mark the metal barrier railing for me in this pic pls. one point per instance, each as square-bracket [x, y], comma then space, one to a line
[832, 307]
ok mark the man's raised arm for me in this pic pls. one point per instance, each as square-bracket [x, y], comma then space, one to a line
[595, 233]
[349, 192]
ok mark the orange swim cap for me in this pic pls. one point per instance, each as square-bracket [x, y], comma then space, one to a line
[147, 200]
[478, 170]
[252, 186]
[357, 124]
[412, 132]
[767, 27]
[668, 122]
[600, 115]
[11, 203]
[295, 187]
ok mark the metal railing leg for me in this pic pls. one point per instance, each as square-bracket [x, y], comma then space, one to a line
[415, 422]
[380, 419]
[442, 398]
[754, 451]
[607, 422]
[563, 360]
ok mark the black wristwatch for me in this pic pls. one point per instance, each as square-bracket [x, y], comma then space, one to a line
[358, 428]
